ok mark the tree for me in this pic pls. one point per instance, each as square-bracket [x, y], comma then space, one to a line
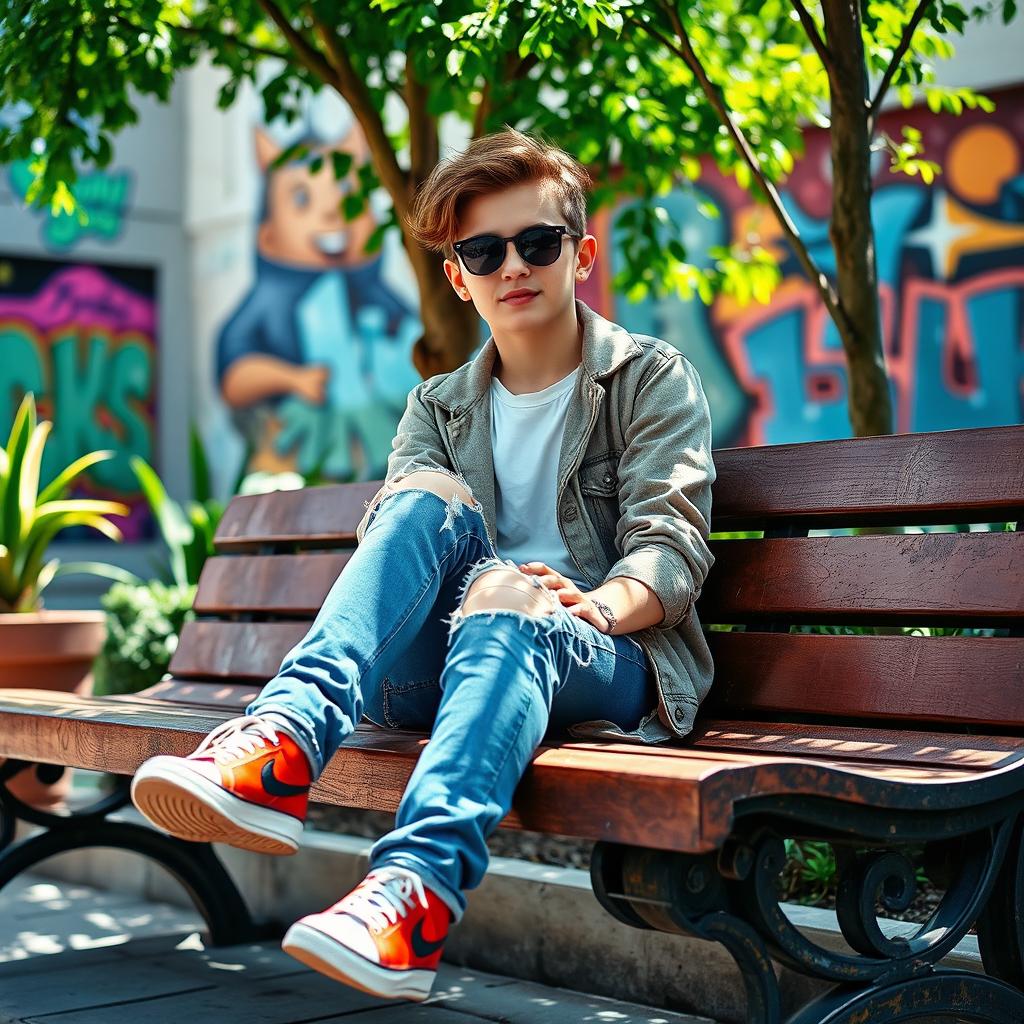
[637, 90]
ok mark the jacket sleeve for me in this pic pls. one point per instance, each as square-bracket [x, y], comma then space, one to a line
[665, 478]
[416, 445]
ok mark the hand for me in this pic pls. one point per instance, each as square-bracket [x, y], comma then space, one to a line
[574, 600]
[310, 383]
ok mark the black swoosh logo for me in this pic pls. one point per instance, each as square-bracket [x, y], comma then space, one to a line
[274, 786]
[424, 947]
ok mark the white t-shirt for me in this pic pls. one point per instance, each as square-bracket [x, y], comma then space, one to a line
[526, 435]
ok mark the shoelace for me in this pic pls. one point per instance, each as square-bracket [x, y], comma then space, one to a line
[385, 896]
[236, 736]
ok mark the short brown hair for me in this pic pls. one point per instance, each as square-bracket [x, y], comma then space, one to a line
[489, 164]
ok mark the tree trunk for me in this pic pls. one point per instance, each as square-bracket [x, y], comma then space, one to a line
[451, 327]
[851, 231]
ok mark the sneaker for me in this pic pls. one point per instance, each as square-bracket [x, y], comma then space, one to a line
[384, 937]
[247, 784]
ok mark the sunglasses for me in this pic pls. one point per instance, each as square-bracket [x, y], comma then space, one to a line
[539, 246]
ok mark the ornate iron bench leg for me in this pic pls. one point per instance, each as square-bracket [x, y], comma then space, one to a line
[685, 895]
[194, 865]
[1001, 923]
[733, 898]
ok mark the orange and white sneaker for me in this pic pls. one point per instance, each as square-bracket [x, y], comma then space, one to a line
[385, 937]
[247, 784]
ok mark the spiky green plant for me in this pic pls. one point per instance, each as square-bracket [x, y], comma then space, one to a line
[30, 518]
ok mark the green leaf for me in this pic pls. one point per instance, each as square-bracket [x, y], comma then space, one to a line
[101, 569]
[198, 465]
[60, 483]
[170, 520]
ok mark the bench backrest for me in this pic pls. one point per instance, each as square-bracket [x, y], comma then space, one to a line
[279, 554]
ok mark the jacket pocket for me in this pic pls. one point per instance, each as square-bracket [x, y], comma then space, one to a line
[599, 485]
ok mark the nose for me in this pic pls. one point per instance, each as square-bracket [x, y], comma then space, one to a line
[514, 265]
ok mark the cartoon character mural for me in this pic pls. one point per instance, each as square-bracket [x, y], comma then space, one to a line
[315, 363]
[951, 270]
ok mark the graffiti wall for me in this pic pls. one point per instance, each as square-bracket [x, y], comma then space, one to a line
[82, 338]
[951, 269]
[315, 361]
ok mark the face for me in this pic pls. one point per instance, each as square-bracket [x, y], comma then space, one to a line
[305, 225]
[551, 288]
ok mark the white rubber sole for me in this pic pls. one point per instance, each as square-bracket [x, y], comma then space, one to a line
[328, 956]
[189, 806]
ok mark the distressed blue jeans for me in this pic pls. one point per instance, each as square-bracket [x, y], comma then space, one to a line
[391, 643]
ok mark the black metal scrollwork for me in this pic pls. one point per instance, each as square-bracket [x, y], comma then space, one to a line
[686, 895]
[733, 898]
[194, 865]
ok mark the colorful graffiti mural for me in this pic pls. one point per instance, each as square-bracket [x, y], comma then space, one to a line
[103, 199]
[316, 361]
[950, 260]
[83, 339]
[951, 270]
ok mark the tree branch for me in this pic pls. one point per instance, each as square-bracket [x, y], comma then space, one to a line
[811, 28]
[900, 52]
[342, 75]
[309, 56]
[512, 74]
[684, 50]
[209, 35]
[424, 141]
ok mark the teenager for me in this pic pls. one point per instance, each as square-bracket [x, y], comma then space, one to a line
[528, 568]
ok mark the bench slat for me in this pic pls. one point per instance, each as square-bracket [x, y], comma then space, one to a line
[921, 579]
[270, 584]
[945, 476]
[313, 517]
[856, 744]
[901, 678]
[234, 650]
[664, 797]
[962, 680]
[850, 742]
[917, 579]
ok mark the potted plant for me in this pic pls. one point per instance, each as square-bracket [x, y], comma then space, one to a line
[41, 648]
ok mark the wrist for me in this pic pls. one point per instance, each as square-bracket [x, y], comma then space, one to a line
[608, 614]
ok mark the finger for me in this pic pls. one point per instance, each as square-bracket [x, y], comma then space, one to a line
[554, 582]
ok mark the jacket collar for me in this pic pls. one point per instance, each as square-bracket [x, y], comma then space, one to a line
[606, 346]
[465, 394]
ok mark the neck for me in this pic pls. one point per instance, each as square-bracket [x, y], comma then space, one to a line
[530, 361]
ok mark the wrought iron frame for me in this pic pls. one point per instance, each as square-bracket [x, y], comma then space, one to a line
[194, 865]
[731, 896]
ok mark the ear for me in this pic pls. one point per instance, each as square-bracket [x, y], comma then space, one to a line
[453, 271]
[586, 256]
[266, 149]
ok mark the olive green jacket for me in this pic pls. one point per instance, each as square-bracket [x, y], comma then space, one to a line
[634, 489]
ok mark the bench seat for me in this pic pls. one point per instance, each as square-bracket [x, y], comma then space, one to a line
[590, 790]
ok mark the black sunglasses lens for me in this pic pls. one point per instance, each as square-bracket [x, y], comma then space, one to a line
[483, 254]
[539, 246]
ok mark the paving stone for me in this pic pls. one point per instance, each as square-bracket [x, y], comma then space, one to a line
[70, 960]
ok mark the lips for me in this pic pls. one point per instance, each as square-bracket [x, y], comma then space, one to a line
[520, 295]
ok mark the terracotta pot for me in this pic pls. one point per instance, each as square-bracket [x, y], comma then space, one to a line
[48, 650]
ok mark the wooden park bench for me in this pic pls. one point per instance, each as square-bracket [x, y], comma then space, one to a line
[901, 750]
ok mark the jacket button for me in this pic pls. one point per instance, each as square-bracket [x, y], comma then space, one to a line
[679, 714]
[608, 478]
[571, 512]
